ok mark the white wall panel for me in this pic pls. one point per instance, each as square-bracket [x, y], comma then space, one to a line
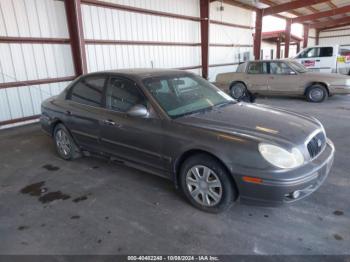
[231, 14]
[182, 7]
[338, 37]
[109, 57]
[111, 24]
[312, 35]
[222, 34]
[223, 55]
[22, 101]
[20, 62]
[230, 35]
[33, 18]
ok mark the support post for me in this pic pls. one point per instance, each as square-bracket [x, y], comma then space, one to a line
[204, 16]
[287, 38]
[257, 35]
[75, 28]
[306, 35]
[298, 47]
[278, 47]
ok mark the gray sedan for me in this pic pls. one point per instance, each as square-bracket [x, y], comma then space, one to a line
[282, 77]
[177, 125]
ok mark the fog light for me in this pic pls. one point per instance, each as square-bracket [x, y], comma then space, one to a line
[295, 194]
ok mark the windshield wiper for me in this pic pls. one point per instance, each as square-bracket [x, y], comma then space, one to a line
[194, 112]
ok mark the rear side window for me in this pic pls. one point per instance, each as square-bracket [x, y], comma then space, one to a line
[257, 68]
[89, 91]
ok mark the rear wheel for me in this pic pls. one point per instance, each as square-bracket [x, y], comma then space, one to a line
[206, 183]
[316, 93]
[65, 146]
[238, 90]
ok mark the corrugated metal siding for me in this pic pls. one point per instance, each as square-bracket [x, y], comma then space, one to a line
[20, 62]
[110, 24]
[312, 35]
[182, 7]
[338, 37]
[223, 34]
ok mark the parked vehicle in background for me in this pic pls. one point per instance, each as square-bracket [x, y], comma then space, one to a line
[326, 59]
[282, 77]
[178, 125]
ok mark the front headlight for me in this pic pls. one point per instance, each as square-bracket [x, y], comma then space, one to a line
[280, 157]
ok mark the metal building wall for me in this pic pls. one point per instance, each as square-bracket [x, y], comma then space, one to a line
[43, 55]
[125, 39]
[231, 34]
[36, 54]
[335, 36]
[312, 37]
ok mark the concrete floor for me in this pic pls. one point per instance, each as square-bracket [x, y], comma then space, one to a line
[110, 209]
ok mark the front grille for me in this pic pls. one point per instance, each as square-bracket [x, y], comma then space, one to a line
[316, 144]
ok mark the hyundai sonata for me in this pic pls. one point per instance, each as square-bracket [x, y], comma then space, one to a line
[178, 125]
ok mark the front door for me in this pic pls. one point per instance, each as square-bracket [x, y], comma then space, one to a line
[283, 80]
[256, 77]
[138, 140]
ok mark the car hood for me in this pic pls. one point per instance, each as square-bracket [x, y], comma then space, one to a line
[260, 122]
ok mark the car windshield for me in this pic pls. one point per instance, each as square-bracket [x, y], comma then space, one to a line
[182, 95]
[297, 67]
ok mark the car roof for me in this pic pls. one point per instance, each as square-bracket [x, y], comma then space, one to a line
[142, 73]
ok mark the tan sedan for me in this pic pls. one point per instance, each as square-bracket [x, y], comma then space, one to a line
[282, 77]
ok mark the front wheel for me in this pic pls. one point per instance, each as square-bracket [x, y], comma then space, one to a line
[316, 93]
[206, 184]
[238, 90]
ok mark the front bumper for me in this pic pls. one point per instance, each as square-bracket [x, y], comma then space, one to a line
[277, 192]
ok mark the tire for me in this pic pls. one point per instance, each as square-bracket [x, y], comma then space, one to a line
[238, 90]
[196, 185]
[65, 145]
[316, 93]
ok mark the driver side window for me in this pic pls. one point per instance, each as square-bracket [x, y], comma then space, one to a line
[122, 94]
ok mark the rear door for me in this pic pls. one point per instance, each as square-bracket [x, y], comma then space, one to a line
[257, 77]
[84, 109]
[318, 59]
[283, 80]
[138, 140]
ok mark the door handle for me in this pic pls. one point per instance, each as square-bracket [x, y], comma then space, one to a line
[69, 113]
[109, 122]
[318, 60]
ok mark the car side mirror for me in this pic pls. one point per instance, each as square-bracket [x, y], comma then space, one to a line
[138, 111]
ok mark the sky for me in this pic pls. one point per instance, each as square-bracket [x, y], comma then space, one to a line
[271, 23]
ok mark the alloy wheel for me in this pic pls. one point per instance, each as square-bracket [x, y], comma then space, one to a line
[63, 142]
[204, 185]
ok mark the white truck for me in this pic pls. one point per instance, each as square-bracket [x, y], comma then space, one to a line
[326, 58]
